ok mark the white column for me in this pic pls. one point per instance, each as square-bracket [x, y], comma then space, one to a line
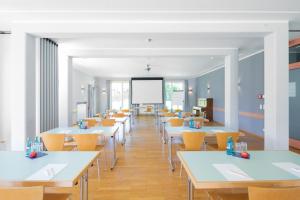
[22, 85]
[64, 88]
[276, 130]
[231, 90]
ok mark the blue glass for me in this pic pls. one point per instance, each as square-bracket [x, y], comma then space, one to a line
[28, 147]
[191, 123]
[180, 115]
[230, 146]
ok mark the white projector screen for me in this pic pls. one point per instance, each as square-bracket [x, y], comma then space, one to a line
[146, 91]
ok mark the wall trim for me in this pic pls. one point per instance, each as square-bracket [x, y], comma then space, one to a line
[253, 115]
[294, 143]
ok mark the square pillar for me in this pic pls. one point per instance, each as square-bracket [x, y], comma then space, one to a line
[276, 130]
[231, 90]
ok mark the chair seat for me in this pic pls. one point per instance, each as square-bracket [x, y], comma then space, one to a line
[56, 196]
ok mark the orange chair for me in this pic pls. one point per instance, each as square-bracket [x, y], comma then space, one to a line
[91, 122]
[187, 114]
[258, 193]
[149, 109]
[108, 122]
[88, 142]
[164, 110]
[178, 110]
[192, 141]
[53, 142]
[175, 122]
[169, 114]
[24, 193]
[119, 115]
[222, 139]
[125, 110]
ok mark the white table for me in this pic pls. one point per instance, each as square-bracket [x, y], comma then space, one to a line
[101, 130]
[17, 168]
[173, 132]
[260, 167]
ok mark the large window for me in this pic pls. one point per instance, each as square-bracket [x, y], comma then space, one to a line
[119, 95]
[174, 91]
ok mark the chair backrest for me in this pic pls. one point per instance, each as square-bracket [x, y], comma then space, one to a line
[24, 193]
[258, 193]
[125, 110]
[176, 122]
[108, 122]
[86, 142]
[53, 142]
[91, 122]
[164, 110]
[222, 139]
[199, 119]
[193, 141]
[169, 114]
[187, 114]
[149, 109]
[178, 110]
[119, 115]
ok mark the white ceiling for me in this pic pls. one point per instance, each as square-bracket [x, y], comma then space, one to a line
[171, 67]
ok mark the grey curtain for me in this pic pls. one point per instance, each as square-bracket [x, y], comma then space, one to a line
[48, 85]
[186, 96]
[108, 93]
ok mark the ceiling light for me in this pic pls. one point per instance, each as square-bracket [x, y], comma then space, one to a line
[149, 39]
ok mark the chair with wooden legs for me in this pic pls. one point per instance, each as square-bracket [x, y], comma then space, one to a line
[149, 109]
[222, 139]
[54, 142]
[169, 114]
[187, 114]
[125, 110]
[119, 115]
[91, 122]
[192, 141]
[176, 122]
[24, 193]
[108, 122]
[260, 193]
[164, 110]
[88, 142]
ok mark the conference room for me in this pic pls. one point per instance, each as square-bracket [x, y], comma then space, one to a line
[154, 102]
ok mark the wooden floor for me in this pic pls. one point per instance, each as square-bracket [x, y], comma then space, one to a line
[142, 171]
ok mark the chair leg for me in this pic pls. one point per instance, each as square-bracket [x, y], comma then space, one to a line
[180, 169]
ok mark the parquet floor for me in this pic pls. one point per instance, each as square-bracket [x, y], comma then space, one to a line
[142, 171]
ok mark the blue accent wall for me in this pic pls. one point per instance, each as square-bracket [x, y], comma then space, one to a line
[251, 75]
[295, 106]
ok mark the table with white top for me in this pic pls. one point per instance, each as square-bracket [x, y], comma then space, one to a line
[216, 170]
[173, 132]
[107, 131]
[164, 120]
[16, 170]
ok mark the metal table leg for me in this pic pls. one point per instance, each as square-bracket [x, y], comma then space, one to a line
[190, 190]
[170, 154]
[115, 159]
[124, 137]
[164, 132]
[84, 180]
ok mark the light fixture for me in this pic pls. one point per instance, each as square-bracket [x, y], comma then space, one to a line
[190, 91]
[103, 91]
[149, 39]
[82, 89]
[208, 88]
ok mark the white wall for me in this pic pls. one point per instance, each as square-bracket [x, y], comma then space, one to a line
[79, 79]
[5, 56]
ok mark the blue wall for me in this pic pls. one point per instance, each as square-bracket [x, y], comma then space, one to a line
[251, 74]
[295, 106]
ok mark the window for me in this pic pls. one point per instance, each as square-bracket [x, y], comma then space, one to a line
[175, 94]
[119, 95]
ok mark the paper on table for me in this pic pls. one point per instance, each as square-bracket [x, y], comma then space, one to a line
[47, 172]
[232, 172]
[289, 167]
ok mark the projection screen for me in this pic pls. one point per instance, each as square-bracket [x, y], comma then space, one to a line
[147, 91]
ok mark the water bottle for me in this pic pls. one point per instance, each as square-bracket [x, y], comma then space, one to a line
[230, 146]
[191, 123]
[28, 147]
[180, 115]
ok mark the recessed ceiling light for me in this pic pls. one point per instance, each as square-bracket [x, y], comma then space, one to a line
[149, 39]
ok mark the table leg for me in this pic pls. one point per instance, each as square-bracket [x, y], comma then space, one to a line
[84, 181]
[170, 154]
[164, 133]
[115, 159]
[124, 137]
[190, 190]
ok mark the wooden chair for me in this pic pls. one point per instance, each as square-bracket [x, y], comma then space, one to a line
[178, 110]
[24, 193]
[119, 115]
[54, 142]
[222, 139]
[192, 141]
[149, 109]
[125, 110]
[175, 122]
[91, 122]
[88, 142]
[259, 193]
[169, 114]
[216, 195]
[164, 110]
[108, 122]
[187, 114]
